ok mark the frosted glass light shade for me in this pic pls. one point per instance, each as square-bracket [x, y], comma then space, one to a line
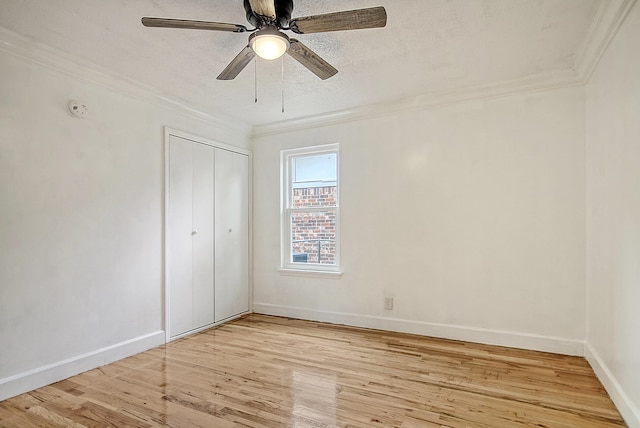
[269, 44]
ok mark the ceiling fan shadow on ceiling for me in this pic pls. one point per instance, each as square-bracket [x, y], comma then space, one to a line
[269, 18]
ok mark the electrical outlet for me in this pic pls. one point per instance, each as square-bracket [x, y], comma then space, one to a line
[388, 303]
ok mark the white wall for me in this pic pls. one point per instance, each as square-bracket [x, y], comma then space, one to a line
[81, 223]
[471, 216]
[613, 219]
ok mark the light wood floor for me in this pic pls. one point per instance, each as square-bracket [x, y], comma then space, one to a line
[264, 371]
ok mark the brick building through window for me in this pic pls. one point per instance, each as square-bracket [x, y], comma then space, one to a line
[313, 234]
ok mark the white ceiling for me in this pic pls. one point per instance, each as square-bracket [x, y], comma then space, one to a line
[428, 48]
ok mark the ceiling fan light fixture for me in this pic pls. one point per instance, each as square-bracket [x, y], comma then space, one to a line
[269, 43]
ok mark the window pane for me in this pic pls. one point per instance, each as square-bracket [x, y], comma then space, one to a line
[314, 170]
[313, 237]
[312, 197]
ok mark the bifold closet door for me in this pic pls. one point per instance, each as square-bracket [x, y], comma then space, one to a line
[202, 234]
[232, 234]
[191, 241]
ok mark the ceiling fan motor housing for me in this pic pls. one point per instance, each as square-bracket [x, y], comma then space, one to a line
[284, 9]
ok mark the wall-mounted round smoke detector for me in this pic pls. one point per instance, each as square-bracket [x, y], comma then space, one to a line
[78, 109]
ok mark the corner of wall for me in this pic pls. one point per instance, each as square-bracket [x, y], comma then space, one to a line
[609, 18]
[626, 407]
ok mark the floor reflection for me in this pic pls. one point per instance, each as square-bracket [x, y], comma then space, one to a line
[314, 398]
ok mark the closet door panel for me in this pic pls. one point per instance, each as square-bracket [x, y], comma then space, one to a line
[202, 234]
[231, 234]
[180, 218]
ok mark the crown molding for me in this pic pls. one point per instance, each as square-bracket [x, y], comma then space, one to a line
[608, 19]
[607, 22]
[542, 82]
[55, 59]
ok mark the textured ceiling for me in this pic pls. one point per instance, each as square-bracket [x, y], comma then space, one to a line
[428, 47]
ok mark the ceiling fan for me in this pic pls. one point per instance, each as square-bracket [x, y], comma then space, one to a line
[269, 18]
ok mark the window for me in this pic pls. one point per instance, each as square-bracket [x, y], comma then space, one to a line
[310, 209]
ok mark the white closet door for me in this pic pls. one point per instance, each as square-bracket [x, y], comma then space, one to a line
[180, 222]
[202, 234]
[231, 234]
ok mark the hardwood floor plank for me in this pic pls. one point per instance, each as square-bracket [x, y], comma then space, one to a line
[261, 371]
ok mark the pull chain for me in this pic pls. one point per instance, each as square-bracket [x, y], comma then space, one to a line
[282, 83]
[255, 80]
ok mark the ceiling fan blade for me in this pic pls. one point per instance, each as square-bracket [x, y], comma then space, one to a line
[373, 17]
[192, 25]
[237, 64]
[311, 60]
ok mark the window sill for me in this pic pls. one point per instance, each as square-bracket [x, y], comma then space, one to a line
[311, 273]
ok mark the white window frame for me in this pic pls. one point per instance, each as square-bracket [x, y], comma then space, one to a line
[287, 266]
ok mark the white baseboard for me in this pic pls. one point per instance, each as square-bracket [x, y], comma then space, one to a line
[207, 327]
[626, 407]
[45, 375]
[470, 334]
